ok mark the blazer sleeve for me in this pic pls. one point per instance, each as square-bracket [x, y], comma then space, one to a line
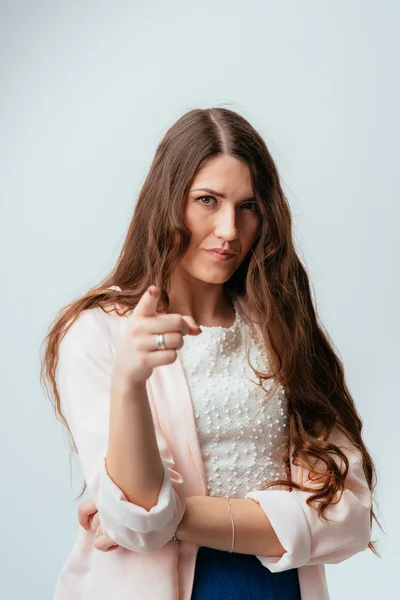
[84, 380]
[306, 538]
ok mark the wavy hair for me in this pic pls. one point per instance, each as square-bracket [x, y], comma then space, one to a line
[272, 280]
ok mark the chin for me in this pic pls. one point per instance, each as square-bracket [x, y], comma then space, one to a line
[198, 270]
[208, 278]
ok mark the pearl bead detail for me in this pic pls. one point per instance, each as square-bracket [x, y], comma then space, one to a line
[243, 438]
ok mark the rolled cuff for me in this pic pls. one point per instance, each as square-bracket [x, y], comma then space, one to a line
[290, 525]
[123, 521]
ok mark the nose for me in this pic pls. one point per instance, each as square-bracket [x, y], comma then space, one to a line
[226, 223]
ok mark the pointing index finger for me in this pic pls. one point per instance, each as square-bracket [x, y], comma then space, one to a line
[146, 307]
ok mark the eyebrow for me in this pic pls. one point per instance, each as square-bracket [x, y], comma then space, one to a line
[219, 194]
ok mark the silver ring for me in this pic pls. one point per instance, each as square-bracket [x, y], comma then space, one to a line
[161, 341]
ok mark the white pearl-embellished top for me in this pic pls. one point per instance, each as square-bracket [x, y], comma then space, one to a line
[244, 438]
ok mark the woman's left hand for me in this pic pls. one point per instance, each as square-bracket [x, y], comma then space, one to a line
[88, 517]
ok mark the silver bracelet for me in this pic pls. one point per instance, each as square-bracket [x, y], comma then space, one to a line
[233, 523]
[174, 539]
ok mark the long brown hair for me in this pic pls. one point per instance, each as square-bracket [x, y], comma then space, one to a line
[272, 279]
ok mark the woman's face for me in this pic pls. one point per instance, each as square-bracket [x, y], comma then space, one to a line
[221, 212]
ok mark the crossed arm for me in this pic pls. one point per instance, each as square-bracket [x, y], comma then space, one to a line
[206, 522]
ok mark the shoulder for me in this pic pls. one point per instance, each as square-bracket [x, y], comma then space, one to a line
[87, 330]
[93, 329]
[88, 343]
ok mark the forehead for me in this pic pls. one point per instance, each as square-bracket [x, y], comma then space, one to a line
[225, 174]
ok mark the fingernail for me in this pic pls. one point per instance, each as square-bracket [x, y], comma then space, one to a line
[193, 322]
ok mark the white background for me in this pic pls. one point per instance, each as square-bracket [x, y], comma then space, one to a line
[87, 90]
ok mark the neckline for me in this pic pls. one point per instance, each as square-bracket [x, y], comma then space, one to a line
[219, 328]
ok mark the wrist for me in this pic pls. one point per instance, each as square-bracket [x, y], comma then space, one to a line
[123, 386]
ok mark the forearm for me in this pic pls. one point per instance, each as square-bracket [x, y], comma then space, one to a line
[133, 459]
[207, 522]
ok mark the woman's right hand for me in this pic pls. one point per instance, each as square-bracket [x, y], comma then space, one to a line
[138, 354]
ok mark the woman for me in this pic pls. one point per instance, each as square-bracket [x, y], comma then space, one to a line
[220, 444]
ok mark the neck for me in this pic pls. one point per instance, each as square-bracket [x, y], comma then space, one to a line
[209, 304]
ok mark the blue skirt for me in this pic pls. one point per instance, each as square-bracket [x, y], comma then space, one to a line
[223, 575]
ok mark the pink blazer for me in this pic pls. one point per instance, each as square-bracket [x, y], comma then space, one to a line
[146, 565]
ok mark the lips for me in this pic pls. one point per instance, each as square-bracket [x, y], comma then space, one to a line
[221, 252]
[219, 256]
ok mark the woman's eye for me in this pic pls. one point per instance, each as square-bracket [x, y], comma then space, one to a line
[254, 204]
[205, 197]
[211, 198]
